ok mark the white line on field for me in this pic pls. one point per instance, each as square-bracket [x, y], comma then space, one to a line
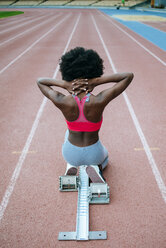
[149, 155]
[23, 23]
[23, 155]
[13, 22]
[27, 30]
[146, 49]
[33, 44]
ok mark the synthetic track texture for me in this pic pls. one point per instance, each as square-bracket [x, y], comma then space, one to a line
[36, 211]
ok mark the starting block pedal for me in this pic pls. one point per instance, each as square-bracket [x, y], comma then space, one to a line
[99, 193]
[68, 183]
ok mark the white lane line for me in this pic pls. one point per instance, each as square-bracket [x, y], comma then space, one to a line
[33, 44]
[149, 155]
[17, 21]
[23, 155]
[23, 23]
[131, 37]
[27, 30]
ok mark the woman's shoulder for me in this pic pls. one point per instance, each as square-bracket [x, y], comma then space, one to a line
[69, 99]
[94, 99]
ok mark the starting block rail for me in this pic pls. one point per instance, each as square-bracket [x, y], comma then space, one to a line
[82, 227]
[95, 194]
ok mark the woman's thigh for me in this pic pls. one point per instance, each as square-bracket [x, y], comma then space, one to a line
[90, 155]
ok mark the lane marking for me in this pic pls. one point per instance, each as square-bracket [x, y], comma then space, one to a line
[28, 152]
[17, 21]
[149, 33]
[33, 44]
[23, 23]
[22, 157]
[30, 29]
[131, 37]
[142, 148]
[151, 160]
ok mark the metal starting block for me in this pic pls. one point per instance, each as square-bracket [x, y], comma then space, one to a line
[96, 193]
[68, 183]
[99, 193]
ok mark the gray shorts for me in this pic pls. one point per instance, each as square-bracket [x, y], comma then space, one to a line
[95, 154]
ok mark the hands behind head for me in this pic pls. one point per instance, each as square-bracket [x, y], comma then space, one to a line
[81, 85]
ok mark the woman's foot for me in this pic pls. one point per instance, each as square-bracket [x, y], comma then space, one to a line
[71, 170]
[94, 174]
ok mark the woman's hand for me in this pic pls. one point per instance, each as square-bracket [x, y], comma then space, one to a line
[75, 87]
[79, 86]
[68, 86]
[82, 85]
[90, 85]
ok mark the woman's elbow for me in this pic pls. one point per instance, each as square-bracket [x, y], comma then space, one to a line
[38, 81]
[131, 75]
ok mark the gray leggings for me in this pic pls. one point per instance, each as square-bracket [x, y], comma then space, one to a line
[95, 154]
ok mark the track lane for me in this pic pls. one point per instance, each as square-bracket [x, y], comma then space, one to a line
[149, 47]
[27, 15]
[17, 26]
[152, 162]
[7, 22]
[6, 39]
[139, 183]
[153, 94]
[67, 30]
[130, 195]
[24, 46]
[159, 25]
[24, 87]
[14, 19]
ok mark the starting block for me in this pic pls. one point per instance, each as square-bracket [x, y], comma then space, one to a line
[99, 193]
[96, 193]
[68, 183]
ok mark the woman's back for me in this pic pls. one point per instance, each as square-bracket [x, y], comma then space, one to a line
[83, 115]
[92, 109]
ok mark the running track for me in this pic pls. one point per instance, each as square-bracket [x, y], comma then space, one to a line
[32, 209]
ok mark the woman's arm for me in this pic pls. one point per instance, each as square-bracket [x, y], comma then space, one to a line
[114, 78]
[45, 87]
[46, 83]
[57, 97]
[122, 81]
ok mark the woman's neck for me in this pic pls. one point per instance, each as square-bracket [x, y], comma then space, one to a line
[81, 95]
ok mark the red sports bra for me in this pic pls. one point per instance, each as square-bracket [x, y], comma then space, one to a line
[82, 124]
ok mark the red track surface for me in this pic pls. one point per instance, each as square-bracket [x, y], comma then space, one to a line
[35, 210]
[159, 25]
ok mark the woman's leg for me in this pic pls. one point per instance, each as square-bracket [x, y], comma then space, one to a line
[70, 169]
[95, 154]
[95, 172]
[104, 164]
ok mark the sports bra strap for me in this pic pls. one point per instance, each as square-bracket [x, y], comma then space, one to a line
[82, 124]
[87, 97]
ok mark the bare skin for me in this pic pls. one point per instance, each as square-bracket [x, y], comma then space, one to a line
[93, 109]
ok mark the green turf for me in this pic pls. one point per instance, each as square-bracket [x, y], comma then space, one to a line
[4, 14]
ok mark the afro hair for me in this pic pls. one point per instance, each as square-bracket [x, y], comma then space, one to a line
[81, 63]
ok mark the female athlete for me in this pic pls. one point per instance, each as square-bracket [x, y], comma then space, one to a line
[82, 71]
